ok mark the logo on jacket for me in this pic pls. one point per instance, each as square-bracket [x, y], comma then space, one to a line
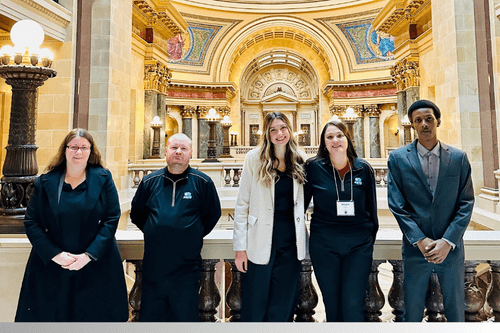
[358, 181]
[187, 195]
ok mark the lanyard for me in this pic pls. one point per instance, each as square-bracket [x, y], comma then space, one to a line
[335, 178]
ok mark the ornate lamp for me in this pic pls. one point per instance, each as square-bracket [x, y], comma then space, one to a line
[407, 129]
[350, 118]
[24, 67]
[335, 118]
[226, 124]
[156, 125]
[212, 120]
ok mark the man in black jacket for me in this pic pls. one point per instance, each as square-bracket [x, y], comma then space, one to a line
[175, 207]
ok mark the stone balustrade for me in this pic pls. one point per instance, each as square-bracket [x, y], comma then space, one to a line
[228, 174]
[481, 285]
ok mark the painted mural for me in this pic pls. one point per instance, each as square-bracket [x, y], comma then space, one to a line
[368, 45]
[193, 49]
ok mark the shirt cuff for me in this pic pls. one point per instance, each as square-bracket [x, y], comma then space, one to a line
[415, 244]
[91, 257]
[451, 243]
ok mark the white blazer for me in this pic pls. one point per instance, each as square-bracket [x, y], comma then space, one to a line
[254, 214]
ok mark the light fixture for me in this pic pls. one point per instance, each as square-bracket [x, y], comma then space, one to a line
[335, 118]
[18, 66]
[406, 121]
[27, 36]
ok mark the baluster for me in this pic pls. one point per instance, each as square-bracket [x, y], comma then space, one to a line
[386, 175]
[378, 178]
[375, 297]
[474, 298]
[136, 179]
[236, 177]
[434, 300]
[308, 298]
[396, 293]
[134, 298]
[227, 178]
[209, 293]
[233, 296]
[382, 178]
[494, 290]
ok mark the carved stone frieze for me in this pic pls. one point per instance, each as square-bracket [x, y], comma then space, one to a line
[156, 76]
[338, 110]
[406, 74]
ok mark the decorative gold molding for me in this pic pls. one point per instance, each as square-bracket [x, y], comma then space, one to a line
[160, 21]
[395, 11]
[156, 76]
[406, 74]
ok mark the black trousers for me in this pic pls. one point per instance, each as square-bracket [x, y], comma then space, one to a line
[174, 300]
[269, 293]
[342, 265]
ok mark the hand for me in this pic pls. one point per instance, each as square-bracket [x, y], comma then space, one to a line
[80, 261]
[241, 261]
[422, 244]
[437, 251]
[63, 259]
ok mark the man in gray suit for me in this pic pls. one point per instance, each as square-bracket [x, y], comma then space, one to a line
[431, 196]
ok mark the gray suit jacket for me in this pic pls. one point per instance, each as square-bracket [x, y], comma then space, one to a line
[418, 213]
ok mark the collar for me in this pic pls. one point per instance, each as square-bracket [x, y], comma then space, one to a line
[422, 150]
[177, 175]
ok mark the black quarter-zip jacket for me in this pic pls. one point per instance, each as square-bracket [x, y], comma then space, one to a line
[175, 212]
[320, 186]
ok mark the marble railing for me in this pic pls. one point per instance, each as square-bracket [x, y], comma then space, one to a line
[228, 174]
[481, 285]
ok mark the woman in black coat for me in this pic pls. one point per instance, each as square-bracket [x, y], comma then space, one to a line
[74, 272]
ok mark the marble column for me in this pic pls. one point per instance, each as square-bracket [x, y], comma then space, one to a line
[187, 113]
[150, 110]
[203, 132]
[161, 111]
[359, 132]
[374, 114]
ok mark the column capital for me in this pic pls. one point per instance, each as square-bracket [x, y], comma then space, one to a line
[372, 110]
[406, 73]
[156, 76]
[188, 111]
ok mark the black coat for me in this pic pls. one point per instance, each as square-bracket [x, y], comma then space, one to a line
[97, 292]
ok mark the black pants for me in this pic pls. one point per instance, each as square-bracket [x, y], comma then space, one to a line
[270, 292]
[342, 265]
[175, 300]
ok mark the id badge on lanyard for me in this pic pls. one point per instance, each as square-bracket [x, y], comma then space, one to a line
[344, 207]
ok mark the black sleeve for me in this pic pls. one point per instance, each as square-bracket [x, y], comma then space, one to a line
[138, 209]
[106, 234]
[35, 230]
[211, 208]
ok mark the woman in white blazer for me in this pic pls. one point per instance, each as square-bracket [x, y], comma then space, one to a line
[270, 236]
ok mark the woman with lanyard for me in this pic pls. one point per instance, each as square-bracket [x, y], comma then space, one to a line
[74, 272]
[270, 235]
[343, 225]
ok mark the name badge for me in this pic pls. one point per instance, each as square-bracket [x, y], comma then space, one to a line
[345, 208]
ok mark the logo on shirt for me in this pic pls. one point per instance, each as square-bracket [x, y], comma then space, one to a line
[358, 181]
[187, 195]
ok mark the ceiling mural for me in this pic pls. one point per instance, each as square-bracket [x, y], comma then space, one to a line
[193, 50]
[367, 44]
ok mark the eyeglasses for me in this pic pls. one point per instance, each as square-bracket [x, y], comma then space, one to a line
[84, 149]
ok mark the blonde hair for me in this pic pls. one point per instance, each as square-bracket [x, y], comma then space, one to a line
[293, 160]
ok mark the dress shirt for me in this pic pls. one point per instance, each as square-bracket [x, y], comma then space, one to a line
[429, 159]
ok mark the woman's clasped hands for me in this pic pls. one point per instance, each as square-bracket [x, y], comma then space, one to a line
[70, 261]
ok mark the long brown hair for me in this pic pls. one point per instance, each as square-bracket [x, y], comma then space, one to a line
[293, 161]
[60, 159]
[323, 151]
